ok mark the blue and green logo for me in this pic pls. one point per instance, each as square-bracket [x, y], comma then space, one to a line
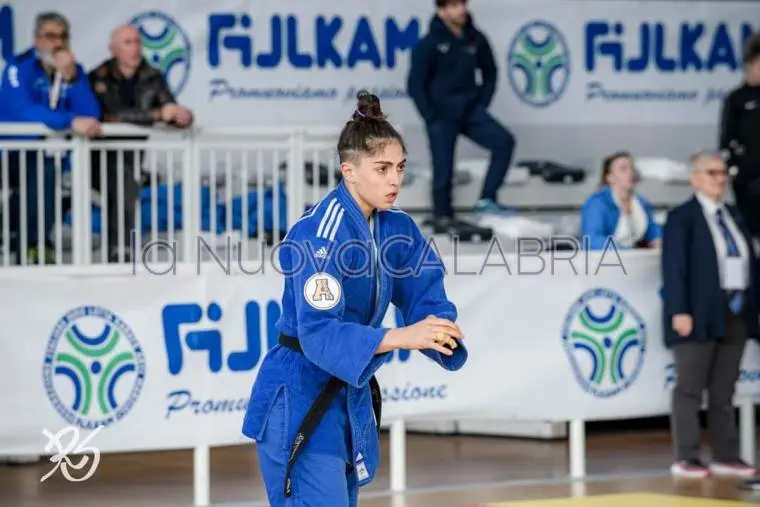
[94, 367]
[166, 46]
[538, 64]
[605, 340]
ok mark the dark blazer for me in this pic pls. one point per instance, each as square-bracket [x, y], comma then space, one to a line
[691, 280]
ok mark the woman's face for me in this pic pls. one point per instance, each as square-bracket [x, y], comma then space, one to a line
[622, 174]
[376, 179]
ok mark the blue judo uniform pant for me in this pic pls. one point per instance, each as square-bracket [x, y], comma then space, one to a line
[481, 128]
[319, 480]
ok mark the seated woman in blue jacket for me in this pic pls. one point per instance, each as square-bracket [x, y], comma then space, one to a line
[616, 212]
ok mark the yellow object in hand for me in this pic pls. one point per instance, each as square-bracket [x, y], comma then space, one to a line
[446, 340]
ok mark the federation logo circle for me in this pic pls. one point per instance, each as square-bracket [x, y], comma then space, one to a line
[538, 64]
[94, 368]
[605, 340]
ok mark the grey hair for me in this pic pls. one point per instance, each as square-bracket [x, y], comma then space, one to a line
[44, 18]
[699, 156]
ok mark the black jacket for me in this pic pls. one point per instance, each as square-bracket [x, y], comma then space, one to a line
[139, 104]
[740, 130]
[441, 79]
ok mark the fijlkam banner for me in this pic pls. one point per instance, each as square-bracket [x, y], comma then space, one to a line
[163, 362]
[294, 62]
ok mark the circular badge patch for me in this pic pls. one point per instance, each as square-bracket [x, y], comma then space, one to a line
[322, 291]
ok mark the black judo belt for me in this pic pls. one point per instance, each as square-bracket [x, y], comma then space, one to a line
[318, 409]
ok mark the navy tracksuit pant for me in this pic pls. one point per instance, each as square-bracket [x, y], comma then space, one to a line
[481, 128]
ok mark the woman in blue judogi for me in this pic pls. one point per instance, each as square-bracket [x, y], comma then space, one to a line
[315, 404]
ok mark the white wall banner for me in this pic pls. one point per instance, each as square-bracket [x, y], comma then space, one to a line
[239, 62]
[166, 362]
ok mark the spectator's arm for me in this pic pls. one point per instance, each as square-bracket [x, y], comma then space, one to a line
[488, 72]
[16, 86]
[183, 117]
[420, 71]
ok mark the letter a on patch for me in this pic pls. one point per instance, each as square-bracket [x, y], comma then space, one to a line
[322, 291]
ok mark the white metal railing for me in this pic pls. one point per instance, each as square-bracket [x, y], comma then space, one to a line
[240, 185]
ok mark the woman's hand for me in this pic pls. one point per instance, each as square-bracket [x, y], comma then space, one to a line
[432, 333]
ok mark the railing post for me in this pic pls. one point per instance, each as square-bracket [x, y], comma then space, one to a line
[577, 449]
[81, 202]
[747, 430]
[191, 207]
[398, 455]
[295, 177]
[201, 476]
[86, 180]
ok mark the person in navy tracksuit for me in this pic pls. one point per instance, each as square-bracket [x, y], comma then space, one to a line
[314, 409]
[442, 83]
[30, 91]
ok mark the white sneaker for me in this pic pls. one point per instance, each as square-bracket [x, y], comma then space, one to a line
[737, 468]
[690, 469]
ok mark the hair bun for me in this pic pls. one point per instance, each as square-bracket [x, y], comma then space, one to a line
[368, 106]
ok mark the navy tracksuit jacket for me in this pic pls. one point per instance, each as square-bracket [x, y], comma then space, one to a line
[442, 83]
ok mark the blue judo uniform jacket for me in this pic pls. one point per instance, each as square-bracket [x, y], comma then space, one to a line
[25, 90]
[334, 304]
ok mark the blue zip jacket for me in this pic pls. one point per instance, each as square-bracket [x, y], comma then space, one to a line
[329, 303]
[600, 215]
[25, 89]
[441, 79]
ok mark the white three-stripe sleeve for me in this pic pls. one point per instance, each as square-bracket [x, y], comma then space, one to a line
[326, 217]
[330, 221]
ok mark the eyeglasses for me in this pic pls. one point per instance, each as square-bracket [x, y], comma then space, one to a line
[53, 36]
[715, 173]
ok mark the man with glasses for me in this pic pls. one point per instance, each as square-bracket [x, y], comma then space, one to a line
[709, 310]
[44, 85]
